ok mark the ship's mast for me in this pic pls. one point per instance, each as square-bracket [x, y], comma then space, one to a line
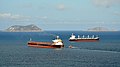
[88, 36]
[83, 36]
[57, 37]
[78, 36]
[92, 36]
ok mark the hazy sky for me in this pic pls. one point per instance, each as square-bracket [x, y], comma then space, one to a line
[61, 14]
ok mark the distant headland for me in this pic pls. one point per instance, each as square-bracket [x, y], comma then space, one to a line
[99, 29]
[27, 28]
[34, 28]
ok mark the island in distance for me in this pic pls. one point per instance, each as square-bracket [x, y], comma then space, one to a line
[27, 28]
[98, 29]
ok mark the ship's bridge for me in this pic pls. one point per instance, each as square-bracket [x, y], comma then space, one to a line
[72, 36]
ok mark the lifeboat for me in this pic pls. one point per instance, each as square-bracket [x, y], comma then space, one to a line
[57, 43]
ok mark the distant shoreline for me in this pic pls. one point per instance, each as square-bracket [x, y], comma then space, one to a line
[60, 30]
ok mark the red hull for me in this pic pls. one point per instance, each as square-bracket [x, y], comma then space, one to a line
[44, 45]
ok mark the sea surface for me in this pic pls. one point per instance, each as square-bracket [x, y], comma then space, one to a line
[14, 51]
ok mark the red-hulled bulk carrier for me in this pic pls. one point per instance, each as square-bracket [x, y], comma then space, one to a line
[57, 43]
[83, 38]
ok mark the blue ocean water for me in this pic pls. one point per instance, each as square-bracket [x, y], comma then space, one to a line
[14, 51]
